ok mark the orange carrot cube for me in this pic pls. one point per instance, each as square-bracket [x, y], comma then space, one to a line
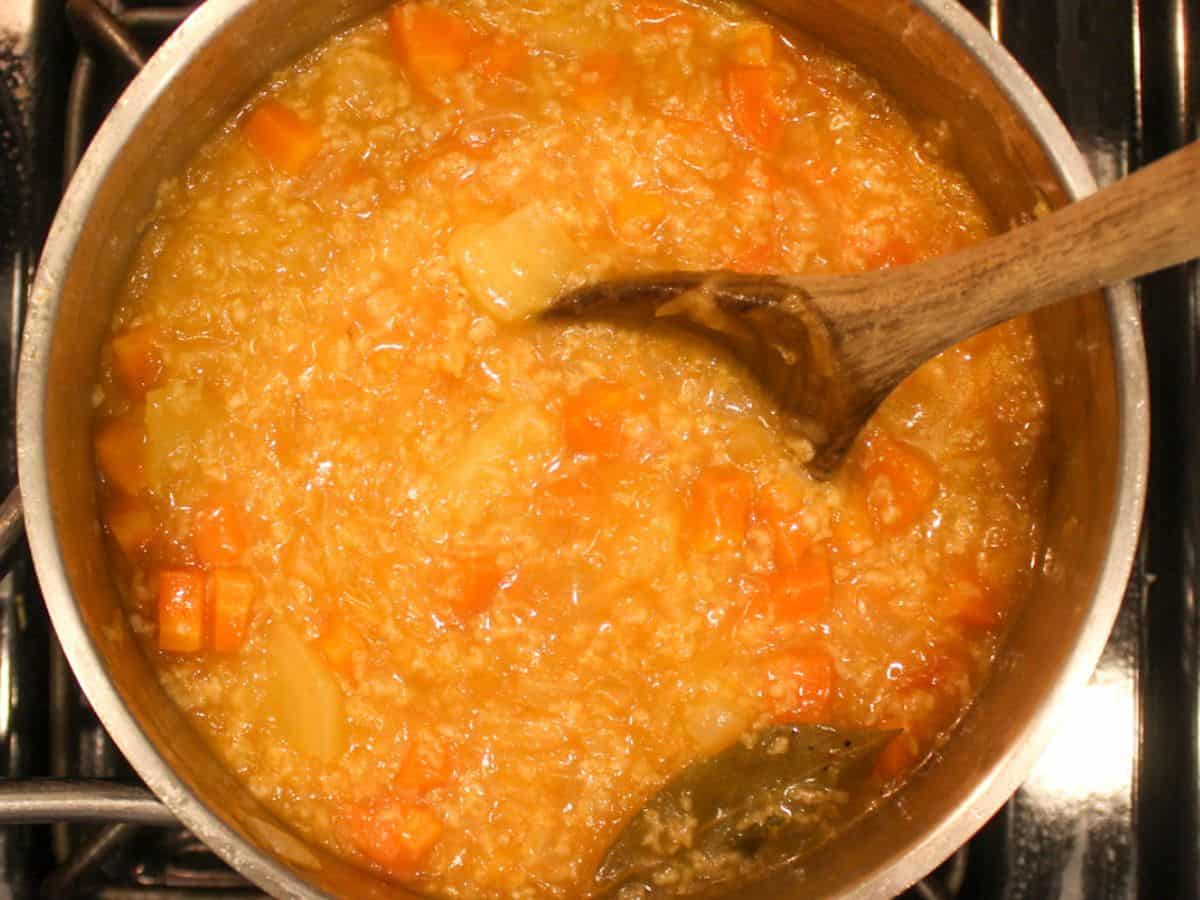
[137, 358]
[231, 598]
[121, 453]
[792, 544]
[395, 835]
[219, 535]
[779, 508]
[802, 590]
[181, 596]
[901, 482]
[431, 42]
[756, 115]
[282, 137]
[721, 500]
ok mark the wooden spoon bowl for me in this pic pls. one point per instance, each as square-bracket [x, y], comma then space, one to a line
[831, 348]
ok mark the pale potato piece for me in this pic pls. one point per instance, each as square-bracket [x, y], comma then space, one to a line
[505, 452]
[178, 417]
[514, 268]
[303, 697]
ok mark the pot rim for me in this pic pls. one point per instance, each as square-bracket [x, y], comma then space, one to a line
[890, 876]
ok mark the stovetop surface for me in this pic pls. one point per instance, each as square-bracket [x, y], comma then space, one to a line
[1109, 812]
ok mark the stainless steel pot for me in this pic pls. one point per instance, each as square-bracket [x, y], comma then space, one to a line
[929, 52]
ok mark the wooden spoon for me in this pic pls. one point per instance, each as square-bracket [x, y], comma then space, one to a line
[831, 348]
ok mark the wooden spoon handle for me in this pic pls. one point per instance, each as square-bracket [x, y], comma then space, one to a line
[1148, 221]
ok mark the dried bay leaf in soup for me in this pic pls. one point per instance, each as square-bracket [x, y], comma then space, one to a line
[302, 696]
[762, 802]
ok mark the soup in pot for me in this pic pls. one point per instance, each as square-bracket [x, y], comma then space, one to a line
[455, 591]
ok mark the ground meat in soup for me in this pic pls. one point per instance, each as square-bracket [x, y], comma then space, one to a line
[454, 591]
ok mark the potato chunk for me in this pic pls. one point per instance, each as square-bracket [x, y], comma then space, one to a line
[179, 417]
[506, 451]
[303, 696]
[514, 268]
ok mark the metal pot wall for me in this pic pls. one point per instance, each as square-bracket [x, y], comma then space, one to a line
[931, 54]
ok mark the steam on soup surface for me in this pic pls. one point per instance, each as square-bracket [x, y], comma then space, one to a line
[454, 591]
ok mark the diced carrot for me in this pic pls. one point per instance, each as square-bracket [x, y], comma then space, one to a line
[433, 43]
[792, 544]
[475, 588]
[756, 115]
[218, 534]
[426, 767]
[594, 419]
[503, 56]
[340, 642]
[972, 603]
[901, 481]
[637, 210]
[231, 598]
[659, 13]
[130, 521]
[721, 500]
[779, 509]
[121, 452]
[802, 590]
[599, 77]
[800, 686]
[137, 358]
[282, 137]
[181, 611]
[396, 835]
[754, 44]
[896, 757]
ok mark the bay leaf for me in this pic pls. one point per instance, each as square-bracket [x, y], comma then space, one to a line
[756, 806]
